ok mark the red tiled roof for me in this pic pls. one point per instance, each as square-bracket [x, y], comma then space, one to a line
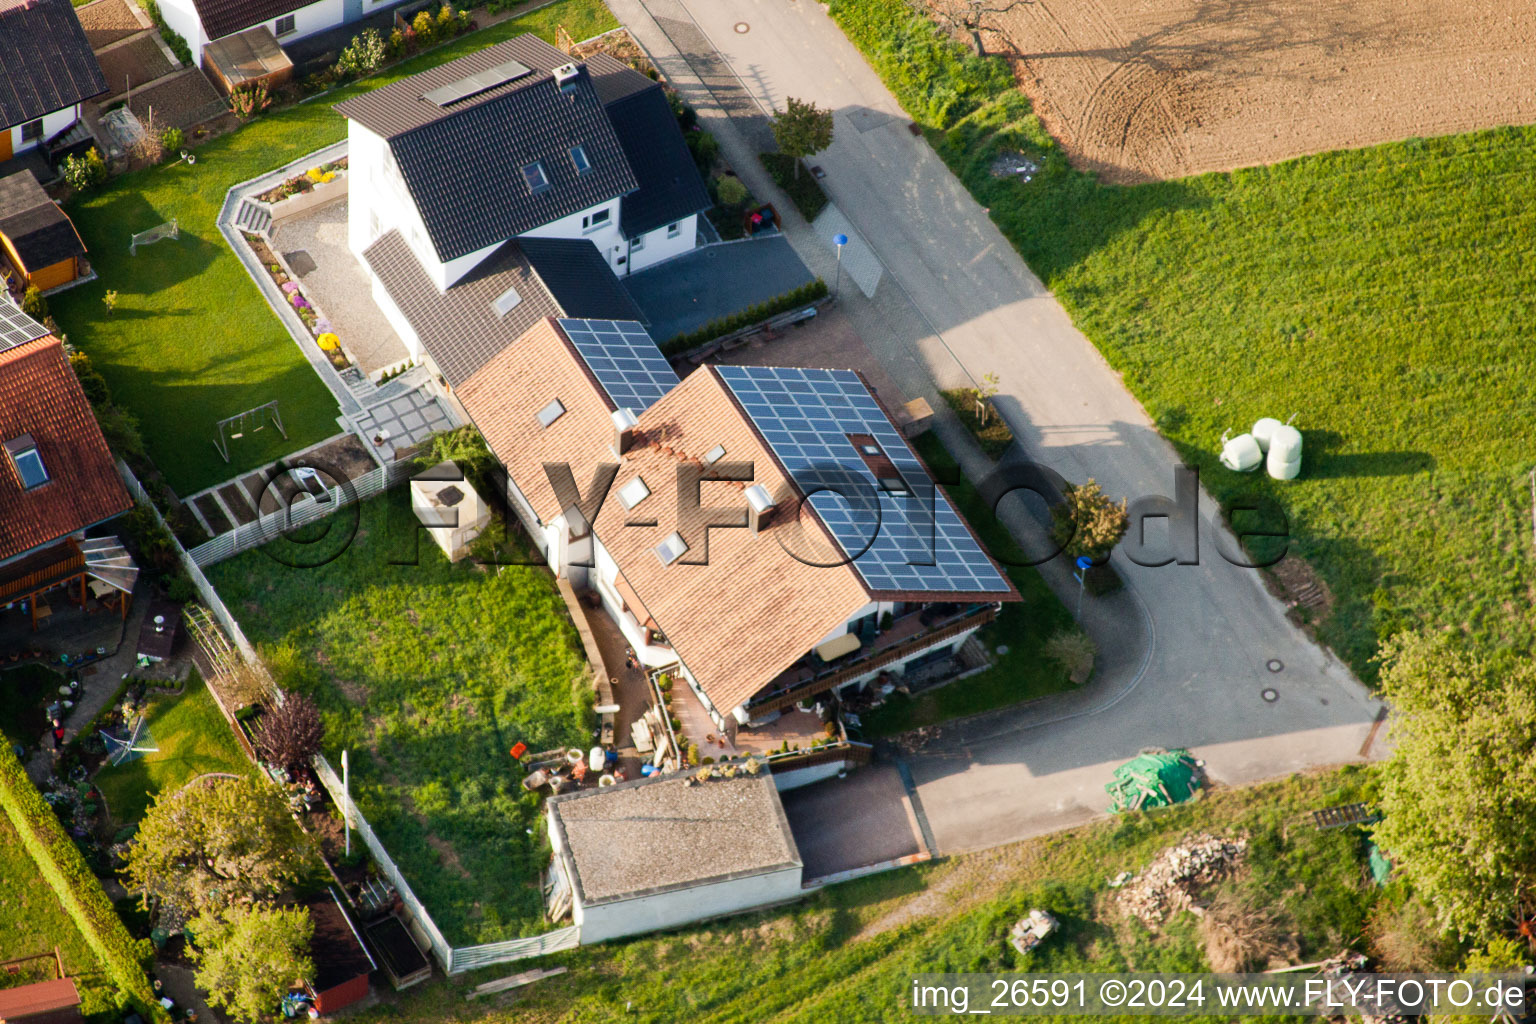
[40, 396]
[42, 997]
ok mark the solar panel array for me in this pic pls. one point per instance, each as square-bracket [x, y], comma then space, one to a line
[624, 359]
[480, 81]
[16, 328]
[909, 542]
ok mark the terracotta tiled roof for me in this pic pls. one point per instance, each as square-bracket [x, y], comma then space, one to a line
[40, 396]
[755, 608]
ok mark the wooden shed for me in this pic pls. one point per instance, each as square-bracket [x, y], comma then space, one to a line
[37, 239]
[247, 58]
[342, 963]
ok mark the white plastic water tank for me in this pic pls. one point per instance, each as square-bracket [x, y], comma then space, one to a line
[1264, 429]
[1241, 454]
[1284, 461]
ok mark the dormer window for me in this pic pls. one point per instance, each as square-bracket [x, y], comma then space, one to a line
[633, 493]
[579, 160]
[534, 175]
[28, 463]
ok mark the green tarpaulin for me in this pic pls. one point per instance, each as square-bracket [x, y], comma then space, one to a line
[1154, 780]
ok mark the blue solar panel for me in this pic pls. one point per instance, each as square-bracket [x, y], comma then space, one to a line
[624, 359]
[911, 541]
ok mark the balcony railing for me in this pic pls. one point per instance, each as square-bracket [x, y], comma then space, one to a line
[839, 673]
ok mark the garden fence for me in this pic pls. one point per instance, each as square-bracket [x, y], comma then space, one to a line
[274, 524]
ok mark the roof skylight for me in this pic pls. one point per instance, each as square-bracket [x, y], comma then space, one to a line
[633, 493]
[671, 549]
[551, 412]
[506, 302]
[534, 175]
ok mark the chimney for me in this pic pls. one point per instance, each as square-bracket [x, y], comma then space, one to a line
[759, 508]
[624, 423]
[565, 77]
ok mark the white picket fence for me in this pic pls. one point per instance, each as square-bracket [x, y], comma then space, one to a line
[305, 510]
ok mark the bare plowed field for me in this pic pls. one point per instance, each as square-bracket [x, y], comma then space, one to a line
[1144, 89]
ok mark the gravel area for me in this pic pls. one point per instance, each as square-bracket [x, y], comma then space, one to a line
[107, 21]
[183, 100]
[132, 65]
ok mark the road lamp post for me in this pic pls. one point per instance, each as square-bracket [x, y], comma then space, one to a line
[839, 240]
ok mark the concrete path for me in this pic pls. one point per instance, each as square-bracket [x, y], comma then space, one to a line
[1184, 649]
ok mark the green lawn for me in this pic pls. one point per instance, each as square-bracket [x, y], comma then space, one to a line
[428, 673]
[1023, 626]
[193, 739]
[847, 954]
[192, 340]
[33, 921]
[1384, 295]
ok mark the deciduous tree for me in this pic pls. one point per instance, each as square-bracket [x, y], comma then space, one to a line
[1459, 793]
[1087, 522]
[289, 736]
[801, 129]
[217, 843]
[248, 958]
[969, 17]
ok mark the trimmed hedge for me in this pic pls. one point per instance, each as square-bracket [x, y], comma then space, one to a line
[60, 863]
[172, 39]
[722, 326]
[802, 189]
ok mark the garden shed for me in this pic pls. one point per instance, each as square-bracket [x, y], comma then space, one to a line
[252, 57]
[36, 237]
[342, 962]
[661, 852]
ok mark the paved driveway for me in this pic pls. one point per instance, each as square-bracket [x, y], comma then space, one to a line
[715, 281]
[853, 822]
[1184, 649]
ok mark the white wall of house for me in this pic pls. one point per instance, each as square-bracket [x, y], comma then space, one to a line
[397, 320]
[600, 223]
[665, 242]
[182, 19]
[53, 123]
[606, 569]
[681, 906]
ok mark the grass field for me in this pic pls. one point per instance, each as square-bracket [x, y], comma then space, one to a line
[428, 673]
[193, 739]
[847, 953]
[192, 340]
[1023, 626]
[32, 921]
[1382, 294]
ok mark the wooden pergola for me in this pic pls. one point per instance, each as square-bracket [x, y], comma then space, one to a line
[61, 567]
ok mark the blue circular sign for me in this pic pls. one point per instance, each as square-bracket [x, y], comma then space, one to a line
[1084, 562]
[839, 240]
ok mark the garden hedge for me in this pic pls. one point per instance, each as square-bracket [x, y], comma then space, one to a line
[808, 292]
[61, 865]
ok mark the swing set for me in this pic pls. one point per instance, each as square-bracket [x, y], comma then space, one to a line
[232, 428]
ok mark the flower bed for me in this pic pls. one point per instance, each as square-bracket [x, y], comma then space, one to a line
[306, 182]
[319, 327]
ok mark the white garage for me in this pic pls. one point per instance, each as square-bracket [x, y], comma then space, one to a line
[657, 853]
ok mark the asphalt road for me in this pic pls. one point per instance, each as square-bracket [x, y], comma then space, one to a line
[1186, 650]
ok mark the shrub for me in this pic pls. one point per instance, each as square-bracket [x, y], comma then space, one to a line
[802, 189]
[705, 149]
[91, 381]
[806, 293]
[109, 299]
[33, 304]
[85, 172]
[730, 191]
[693, 753]
[171, 139]
[363, 56]
[447, 22]
[1073, 651]
[396, 47]
[425, 28]
[249, 100]
[1088, 522]
[172, 39]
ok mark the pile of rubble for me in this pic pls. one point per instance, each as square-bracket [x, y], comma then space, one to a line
[1172, 880]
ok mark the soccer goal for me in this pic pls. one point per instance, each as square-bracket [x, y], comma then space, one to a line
[170, 229]
[251, 421]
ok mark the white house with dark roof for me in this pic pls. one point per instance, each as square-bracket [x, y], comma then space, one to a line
[47, 70]
[201, 22]
[519, 141]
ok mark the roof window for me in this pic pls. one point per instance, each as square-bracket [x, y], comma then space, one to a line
[714, 455]
[671, 549]
[551, 412]
[534, 175]
[506, 302]
[633, 493]
[579, 160]
[28, 463]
